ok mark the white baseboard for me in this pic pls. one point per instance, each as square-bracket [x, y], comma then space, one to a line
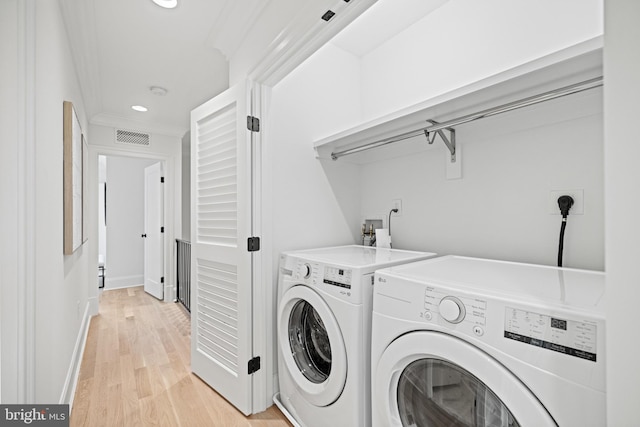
[123, 282]
[71, 381]
[94, 306]
[169, 293]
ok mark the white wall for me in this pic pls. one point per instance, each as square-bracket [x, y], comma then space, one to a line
[125, 221]
[312, 207]
[510, 164]
[622, 201]
[9, 129]
[499, 209]
[44, 293]
[464, 41]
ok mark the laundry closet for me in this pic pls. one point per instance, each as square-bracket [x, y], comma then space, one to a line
[392, 71]
[462, 57]
[497, 199]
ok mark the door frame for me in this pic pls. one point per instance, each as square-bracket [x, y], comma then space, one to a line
[171, 212]
[302, 39]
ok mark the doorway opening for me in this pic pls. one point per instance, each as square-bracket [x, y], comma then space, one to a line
[131, 223]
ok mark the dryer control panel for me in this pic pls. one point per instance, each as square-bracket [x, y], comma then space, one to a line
[578, 339]
[455, 309]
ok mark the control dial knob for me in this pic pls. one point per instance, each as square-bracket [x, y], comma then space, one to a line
[452, 310]
[305, 270]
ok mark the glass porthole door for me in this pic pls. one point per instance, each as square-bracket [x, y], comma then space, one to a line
[311, 345]
[430, 379]
[309, 342]
[437, 393]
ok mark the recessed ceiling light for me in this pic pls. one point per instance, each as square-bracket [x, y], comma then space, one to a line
[139, 108]
[167, 4]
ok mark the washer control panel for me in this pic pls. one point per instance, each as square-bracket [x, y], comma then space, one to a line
[336, 276]
[578, 339]
[455, 309]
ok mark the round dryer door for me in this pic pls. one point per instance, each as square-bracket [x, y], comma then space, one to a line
[312, 346]
[428, 379]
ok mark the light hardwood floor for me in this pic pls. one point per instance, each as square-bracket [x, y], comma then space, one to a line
[136, 371]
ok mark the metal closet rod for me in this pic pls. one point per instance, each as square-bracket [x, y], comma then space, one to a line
[546, 96]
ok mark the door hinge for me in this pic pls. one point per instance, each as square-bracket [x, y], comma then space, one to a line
[162, 179]
[253, 124]
[162, 279]
[162, 229]
[253, 244]
[254, 365]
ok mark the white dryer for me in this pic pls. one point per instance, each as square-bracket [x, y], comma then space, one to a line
[470, 342]
[324, 332]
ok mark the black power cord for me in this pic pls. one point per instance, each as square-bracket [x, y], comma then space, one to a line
[396, 211]
[564, 203]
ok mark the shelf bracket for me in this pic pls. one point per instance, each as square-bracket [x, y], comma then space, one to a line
[450, 142]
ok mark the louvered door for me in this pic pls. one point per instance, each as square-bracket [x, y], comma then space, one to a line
[221, 265]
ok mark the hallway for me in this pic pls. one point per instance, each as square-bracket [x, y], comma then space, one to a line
[136, 370]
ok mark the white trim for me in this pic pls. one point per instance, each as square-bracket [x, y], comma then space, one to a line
[71, 381]
[93, 306]
[301, 39]
[170, 167]
[80, 23]
[26, 201]
[123, 282]
[266, 216]
[233, 24]
[169, 292]
[260, 331]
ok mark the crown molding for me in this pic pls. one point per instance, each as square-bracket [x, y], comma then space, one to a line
[80, 21]
[303, 37]
[233, 24]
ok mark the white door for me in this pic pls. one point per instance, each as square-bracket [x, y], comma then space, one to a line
[153, 231]
[221, 304]
[431, 379]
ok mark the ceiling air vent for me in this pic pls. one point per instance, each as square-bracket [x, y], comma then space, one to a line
[133, 138]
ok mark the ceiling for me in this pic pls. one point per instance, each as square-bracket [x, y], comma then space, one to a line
[122, 48]
[381, 22]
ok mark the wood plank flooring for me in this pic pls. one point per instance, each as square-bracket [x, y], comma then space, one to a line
[136, 371]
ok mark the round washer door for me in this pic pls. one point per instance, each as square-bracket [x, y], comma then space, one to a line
[428, 379]
[311, 345]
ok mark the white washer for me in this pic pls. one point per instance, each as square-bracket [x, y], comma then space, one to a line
[324, 332]
[470, 342]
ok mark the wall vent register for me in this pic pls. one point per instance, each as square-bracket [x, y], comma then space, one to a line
[132, 138]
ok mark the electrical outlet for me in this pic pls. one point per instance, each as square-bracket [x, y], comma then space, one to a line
[397, 204]
[578, 201]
